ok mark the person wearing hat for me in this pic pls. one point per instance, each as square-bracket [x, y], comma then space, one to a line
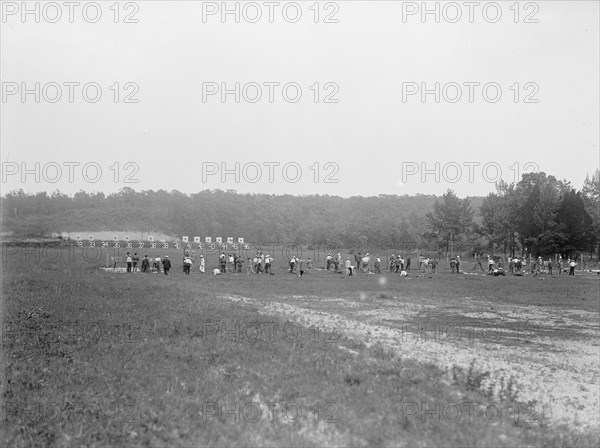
[166, 264]
[378, 265]
[187, 264]
[328, 259]
[268, 264]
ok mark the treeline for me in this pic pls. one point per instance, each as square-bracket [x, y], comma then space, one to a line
[384, 221]
[539, 213]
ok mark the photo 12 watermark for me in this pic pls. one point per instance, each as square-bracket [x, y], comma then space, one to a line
[470, 92]
[471, 12]
[269, 172]
[70, 411]
[269, 412]
[270, 12]
[471, 172]
[53, 92]
[270, 92]
[70, 12]
[470, 412]
[69, 172]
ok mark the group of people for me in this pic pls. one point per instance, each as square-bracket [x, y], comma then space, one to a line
[262, 264]
[518, 265]
[157, 263]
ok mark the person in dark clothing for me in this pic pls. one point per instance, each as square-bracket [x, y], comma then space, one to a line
[357, 259]
[408, 264]
[129, 262]
[135, 260]
[187, 265]
[166, 264]
[222, 263]
[145, 264]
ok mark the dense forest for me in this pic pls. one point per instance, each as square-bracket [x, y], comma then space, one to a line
[540, 213]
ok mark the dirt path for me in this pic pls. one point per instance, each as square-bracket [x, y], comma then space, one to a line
[561, 376]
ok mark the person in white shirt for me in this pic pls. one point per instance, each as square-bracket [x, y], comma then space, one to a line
[366, 263]
[572, 265]
[328, 259]
[187, 264]
[156, 264]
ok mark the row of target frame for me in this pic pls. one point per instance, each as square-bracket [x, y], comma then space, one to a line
[186, 242]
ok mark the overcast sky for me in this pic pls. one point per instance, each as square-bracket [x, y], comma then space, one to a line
[370, 130]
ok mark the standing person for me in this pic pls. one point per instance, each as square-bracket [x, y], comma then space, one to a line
[222, 263]
[292, 265]
[407, 264]
[336, 264]
[478, 263]
[392, 263]
[378, 265]
[366, 263]
[157, 262]
[434, 264]
[453, 265]
[129, 262]
[458, 264]
[249, 267]
[550, 266]
[560, 264]
[166, 264]
[357, 259]
[300, 267]
[187, 264]
[240, 263]
[328, 261]
[268, 264]
[490, 264]
[135, 260]
[145, 264]
[572, 265]
[309, 265]
[231, 261]
[259, 268]
[202, 266]
[348, 266]
[235, 263]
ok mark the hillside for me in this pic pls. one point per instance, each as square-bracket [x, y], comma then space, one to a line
[384, 221]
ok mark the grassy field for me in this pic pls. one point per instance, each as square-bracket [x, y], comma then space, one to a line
[95, 358]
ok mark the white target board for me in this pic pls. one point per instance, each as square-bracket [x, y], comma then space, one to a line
[196, 239]
[185, 239]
